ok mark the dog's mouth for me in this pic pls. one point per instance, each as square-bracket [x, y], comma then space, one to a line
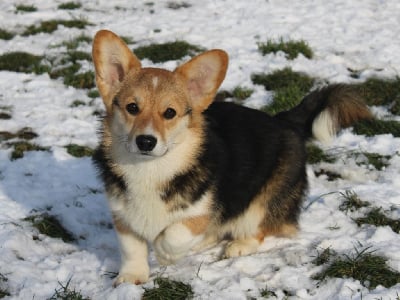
[146, 154]
[150, 155]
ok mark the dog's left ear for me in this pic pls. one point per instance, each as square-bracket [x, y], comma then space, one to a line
[112, 60]
[203, 75]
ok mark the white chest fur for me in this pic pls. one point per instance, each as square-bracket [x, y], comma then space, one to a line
[143, 208]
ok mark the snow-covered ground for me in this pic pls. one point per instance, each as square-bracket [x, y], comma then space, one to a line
[344, 35]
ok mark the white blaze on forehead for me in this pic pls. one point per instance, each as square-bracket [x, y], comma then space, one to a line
[155, 81]
[149, 130]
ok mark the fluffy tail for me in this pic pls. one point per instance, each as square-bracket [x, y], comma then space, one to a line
[324, 112]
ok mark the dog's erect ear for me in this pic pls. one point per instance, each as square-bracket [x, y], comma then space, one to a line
[203, 75]
[112, 60]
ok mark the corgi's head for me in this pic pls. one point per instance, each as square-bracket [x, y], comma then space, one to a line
[151, 110]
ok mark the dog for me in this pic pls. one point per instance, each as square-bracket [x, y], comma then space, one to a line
[183, 172]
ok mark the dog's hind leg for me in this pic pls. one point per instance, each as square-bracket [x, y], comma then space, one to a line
[249, 245]
[178, 238]
[210, 240]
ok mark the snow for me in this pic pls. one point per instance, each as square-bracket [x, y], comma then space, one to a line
[356, 35]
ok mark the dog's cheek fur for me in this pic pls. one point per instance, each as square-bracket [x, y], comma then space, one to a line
[177, 131]
[113, 180]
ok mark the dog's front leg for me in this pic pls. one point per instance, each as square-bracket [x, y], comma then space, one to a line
[134, 257]
[178, 238]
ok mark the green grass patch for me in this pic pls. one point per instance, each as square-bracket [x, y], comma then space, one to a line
[268, 293]
[330, 176]
[167, 51]
[377, 218]
[284, 78]
[374, 127]
[316, 155]
[395, 106]
[25, 133]
[242, 93]
[128, 40]
[324, 257]
[239, 93]
[4, 293]
[21, 147]
[166, 288]
[81, 81]
[25, 8]
[93, 94]
[66, 293]
[65, 72]
[6, 35]
[52, 25]
[5, 112]
[352, 202]
[22, 62]
[377, 160]
[290, 87]
[291, 48]
[378, 91]
[222, 95]
[178, 5]
[375, 215]
[79, 151]
[370, 269]
[284, 99]
[3, 290]
[69, 67]
[5, 116]
[70, 5]
[74, 56]
[75, 42]
[77, 103]
[50, 226]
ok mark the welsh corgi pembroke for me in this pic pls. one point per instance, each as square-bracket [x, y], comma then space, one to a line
[182, 172]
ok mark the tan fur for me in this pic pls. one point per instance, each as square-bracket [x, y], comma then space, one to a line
[121, 226]
[346, 105]
[197, 225]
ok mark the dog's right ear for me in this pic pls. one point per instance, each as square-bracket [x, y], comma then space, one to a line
[112, 61]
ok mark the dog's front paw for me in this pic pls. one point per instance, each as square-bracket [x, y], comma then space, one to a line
[133, 273]
[174, 242]
[134, 278]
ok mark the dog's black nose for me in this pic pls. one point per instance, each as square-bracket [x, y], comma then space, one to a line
[146, 142]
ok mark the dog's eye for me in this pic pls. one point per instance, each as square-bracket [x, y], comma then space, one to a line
[169, 114]
[132, 108]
